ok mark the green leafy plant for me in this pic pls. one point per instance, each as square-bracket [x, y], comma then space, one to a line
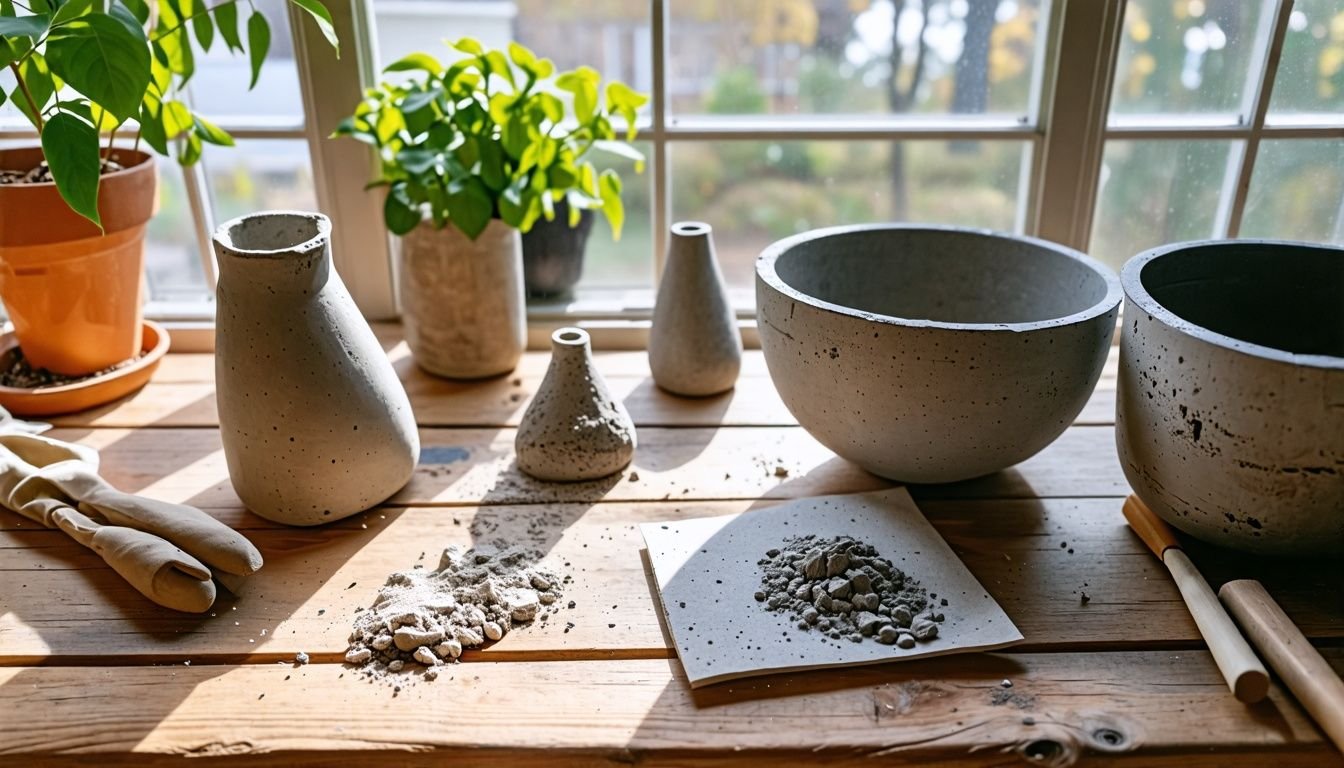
[494, 135]
[88, 67]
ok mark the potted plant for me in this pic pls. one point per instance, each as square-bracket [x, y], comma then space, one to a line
[472, 154]
[75, 209]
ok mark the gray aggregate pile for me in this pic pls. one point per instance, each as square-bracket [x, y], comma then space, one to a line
[841, 588]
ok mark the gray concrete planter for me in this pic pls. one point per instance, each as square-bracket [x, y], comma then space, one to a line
[1230, 410]
[933, 354]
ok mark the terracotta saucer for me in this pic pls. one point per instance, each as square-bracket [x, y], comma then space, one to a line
[66, 398]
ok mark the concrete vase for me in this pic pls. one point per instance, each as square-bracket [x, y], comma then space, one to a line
[694, 346]
[574, 429]
[1230, 401]
[315, 424]
[462, 300]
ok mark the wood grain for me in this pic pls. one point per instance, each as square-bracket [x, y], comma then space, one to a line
[1156, 708]
[1037, 558]
[475, 466]
[182, 395]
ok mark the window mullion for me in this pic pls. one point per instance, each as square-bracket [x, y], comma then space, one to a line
[1078, 97]
[331, 87]
[202, 215]
[662, 177]
[1263, 89]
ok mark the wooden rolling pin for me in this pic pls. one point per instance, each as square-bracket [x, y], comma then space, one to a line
[1244, 673]
[1299, 665]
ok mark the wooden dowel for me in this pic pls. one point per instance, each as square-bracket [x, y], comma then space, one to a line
[1244, 673]
[1298, 664]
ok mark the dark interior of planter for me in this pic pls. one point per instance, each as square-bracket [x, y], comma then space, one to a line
[1289, 298]
[946, 276]
[273, 232]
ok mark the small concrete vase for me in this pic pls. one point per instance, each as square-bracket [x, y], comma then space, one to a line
[694, 347]
[574, 429]
[315, 424]
[462, 300]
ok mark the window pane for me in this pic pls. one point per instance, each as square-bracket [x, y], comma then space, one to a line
[219, 87]
[1311, 72]
[172, 254]
[612, 37]
[738, 57]
[627, 263]
[756, 192]
[259, 175]
[1155, 192]
[1297, 191]
[1179, 56]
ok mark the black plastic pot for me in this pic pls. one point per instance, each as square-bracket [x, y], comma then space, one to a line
[553, 254]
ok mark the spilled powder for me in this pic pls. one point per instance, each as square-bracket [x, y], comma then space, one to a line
[424, 619]
[841, 588]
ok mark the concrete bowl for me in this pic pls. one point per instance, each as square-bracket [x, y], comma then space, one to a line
[933, 354]
[1230, 407]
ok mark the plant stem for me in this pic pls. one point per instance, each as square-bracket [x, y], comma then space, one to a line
[183, 22]
[111, 136]
[28, 95]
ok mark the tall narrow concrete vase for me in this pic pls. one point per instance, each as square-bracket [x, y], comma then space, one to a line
[694, 347]
[574, 429]
[315, 424]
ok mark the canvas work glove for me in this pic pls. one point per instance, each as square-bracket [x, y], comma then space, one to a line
[165, 550]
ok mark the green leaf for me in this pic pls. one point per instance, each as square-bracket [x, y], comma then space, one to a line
[499, 65]
[191, 150]
[209, 132]
[37, 75]
[390, 121]
[139, 9]
[469, 45]
[176, 119]
[24, 26]
[72, 9]
[8, 54]
[418, 110]
[470, 208]
[258, 43]
[322, 16]
[515, 136]
[3, 97]
[130, 19]
[582, 82]
[101, 118]
[173, 49]
[611, 202]
[401, 217]
[226, 21]
[417, 161]
[70, 146]
[416, 61]
[151, 126]
[493, 171]
[204, 29]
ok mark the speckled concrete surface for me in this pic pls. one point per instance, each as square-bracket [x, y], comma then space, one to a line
[933, 354]
[1230, 409]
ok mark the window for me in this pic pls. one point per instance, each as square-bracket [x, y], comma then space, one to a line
[1111, 127]
[1211, 134]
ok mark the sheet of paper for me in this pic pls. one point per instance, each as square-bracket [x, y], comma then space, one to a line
[708, 572]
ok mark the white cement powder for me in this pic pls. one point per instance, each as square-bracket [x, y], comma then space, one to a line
[424, 619]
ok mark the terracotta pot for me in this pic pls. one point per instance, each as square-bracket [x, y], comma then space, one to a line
[462, 300]
[74, 293]
[553, 253]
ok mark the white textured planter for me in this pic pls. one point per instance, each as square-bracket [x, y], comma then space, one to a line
[1230, 405]
[574, 429]
[315, 424]
[933, 354]
[694, 346]
[462, 300]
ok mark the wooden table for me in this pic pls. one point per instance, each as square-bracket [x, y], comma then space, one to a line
[90, 672]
